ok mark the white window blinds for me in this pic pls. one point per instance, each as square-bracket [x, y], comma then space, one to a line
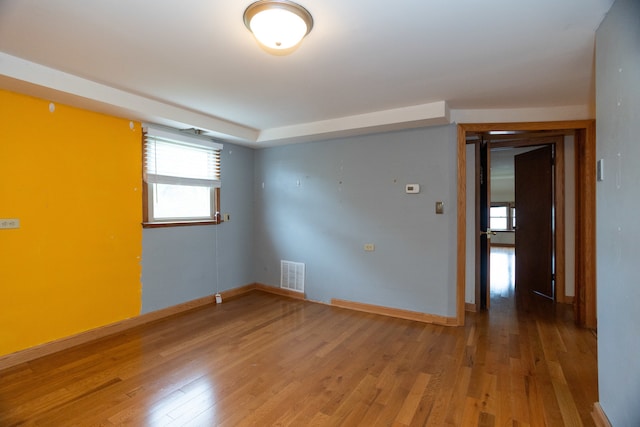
[180, 159]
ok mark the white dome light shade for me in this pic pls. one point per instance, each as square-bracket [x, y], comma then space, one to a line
[278, 29]
[278, 24]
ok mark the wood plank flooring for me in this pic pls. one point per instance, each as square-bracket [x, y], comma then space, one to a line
[265, 360]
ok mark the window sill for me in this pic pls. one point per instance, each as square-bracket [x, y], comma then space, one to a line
[177, 224]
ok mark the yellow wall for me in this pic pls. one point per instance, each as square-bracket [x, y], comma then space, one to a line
[73, 178]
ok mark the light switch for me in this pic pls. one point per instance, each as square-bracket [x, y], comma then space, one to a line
[439, 207]
[600, 170]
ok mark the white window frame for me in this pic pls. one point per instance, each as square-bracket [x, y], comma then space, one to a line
[510, 212]
[154, 137]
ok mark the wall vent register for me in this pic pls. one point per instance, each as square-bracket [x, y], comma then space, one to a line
[292, 275]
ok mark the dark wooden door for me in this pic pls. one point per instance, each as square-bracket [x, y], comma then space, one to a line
[484, 195]
[534, 221]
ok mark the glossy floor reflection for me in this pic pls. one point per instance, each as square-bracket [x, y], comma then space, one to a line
[503, 272]
[266, 360]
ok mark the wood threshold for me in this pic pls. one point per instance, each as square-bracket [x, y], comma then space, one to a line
[395, 312]
[599, 417]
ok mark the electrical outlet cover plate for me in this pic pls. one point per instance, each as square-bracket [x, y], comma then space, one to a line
[9, 223]
[412, 188]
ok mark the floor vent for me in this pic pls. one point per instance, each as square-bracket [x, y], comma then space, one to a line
[292, 276]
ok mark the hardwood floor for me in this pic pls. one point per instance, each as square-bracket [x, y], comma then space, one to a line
[267, 360]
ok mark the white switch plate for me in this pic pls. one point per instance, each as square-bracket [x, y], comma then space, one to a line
[369, 247]
[9, 223]
[600, 170]
[226, 217]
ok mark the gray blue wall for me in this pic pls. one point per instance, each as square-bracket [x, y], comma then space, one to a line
[179, 263]
[320, 202]
[618, 204]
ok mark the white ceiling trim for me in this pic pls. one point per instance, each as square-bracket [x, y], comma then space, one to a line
[434, 113]
[77, 91]
[509, 115]
[118, 102]
[37, 80]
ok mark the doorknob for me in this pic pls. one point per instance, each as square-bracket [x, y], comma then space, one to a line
[488, 233]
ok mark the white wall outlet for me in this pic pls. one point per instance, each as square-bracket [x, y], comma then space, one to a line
[369, 247]
[412, 188]
[9, 223]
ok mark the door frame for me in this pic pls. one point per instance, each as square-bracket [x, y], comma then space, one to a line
[585, 186]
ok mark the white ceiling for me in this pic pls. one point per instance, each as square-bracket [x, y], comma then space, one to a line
[367, 64]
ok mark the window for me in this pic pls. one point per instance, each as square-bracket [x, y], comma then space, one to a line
[502, 217]
[181, 178]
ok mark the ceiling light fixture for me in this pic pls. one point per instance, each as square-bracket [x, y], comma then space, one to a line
[278, 25]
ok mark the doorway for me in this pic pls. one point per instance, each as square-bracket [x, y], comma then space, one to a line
[584, 132]
[530, 164]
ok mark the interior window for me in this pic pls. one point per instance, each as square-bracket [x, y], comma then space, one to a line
[181, 178]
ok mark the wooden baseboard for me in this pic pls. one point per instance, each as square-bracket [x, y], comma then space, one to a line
[35, 352]
[599, 417]
[26, 355]
[395, 312]
[55, 346]
[232, 293]
[470, 307]
[237, 292]
[279, 291]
